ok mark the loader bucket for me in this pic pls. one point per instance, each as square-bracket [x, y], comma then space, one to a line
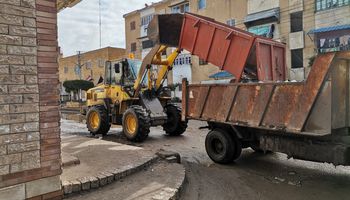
[165, 29]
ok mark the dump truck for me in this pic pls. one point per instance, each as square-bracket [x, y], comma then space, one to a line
[306, 120]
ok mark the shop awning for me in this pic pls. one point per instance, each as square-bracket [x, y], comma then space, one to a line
[266, 16]
[330, 28]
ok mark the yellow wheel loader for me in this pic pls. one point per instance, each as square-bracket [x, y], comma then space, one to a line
[133, 96]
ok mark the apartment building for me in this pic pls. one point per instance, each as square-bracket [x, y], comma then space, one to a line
[88, 65]
[307, 28]
[139, 45]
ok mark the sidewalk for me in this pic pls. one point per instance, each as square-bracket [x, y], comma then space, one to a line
[161, 181]
[101, 161]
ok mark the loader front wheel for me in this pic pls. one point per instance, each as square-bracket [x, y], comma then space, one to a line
[222, 147]
[96, 120]
[174, 125]
[136, 124]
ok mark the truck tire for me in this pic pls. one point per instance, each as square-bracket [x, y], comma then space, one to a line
[222, 147]
[174, 125]
[136, 124]
[96, 120]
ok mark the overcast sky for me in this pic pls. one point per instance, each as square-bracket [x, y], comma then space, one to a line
[78, 27]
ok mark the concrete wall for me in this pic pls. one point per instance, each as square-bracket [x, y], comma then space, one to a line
[332, 17]
[97, 60]
[30, 161]
[131, 36]
[255, 6]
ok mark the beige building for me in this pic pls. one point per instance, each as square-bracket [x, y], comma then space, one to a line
[92, 64]
[307, 27]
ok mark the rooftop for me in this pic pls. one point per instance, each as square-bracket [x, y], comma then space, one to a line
[146, 7]
[96, 50]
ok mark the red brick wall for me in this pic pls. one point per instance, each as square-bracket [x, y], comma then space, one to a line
[37, 73]
[48, 87]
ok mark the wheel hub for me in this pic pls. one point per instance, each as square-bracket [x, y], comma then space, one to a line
[131, 123]
[94, 120]
[218, 146]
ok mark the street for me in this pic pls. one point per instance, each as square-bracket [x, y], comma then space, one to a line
[253, 176]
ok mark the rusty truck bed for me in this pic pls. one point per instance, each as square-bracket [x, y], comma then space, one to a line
[308, 120]
[314, 107]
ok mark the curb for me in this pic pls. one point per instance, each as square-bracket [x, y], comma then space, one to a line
[103, 178]
[179, 186]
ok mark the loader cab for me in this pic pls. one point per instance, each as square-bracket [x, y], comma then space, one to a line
[123, 73]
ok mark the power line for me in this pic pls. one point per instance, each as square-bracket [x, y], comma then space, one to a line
[100, 21]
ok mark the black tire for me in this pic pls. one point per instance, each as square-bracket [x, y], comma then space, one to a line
[222, 147]
[142, 127]
[103, 126]
[174, 125]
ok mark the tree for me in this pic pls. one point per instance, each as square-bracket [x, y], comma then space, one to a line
[76, 85]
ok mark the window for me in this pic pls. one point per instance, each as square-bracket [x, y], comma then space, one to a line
[231, 22]
[202, 62]
[329, 4]
[88, 65]
[296, 22]
[262, 30]
[146, 20]
[202, 4]
[132, 25]
[181, 8]
[133, 47]
[183, 59]
[101, 62]
[65, 69]
[297, 58]
[147, 44]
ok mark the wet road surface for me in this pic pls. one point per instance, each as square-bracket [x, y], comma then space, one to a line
[253, 176]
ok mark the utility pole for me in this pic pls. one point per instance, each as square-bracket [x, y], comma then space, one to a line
[79, 64]
[100, 22]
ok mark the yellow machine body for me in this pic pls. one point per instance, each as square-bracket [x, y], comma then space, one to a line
[117, 93]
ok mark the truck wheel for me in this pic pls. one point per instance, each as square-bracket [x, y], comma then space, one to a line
[222, 147]
[174, 125]
[136, 124]
[96, 120]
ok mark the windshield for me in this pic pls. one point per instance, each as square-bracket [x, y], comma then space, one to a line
[134, 66]
[126, 74]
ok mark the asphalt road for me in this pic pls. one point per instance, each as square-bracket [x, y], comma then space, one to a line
[253, 176]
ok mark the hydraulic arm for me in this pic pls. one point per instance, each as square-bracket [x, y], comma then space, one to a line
[155, 58]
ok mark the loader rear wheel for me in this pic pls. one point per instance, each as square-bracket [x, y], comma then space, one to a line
[222, 147]
[174, 125]
[136, 124]
[96, 120]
